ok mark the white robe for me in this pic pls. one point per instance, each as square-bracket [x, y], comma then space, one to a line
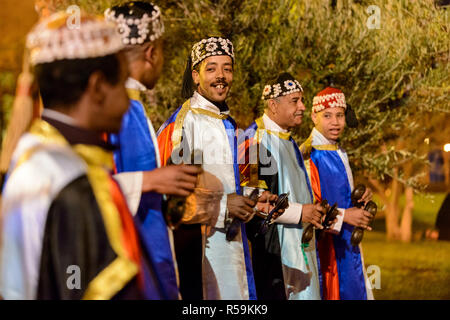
[224, 272]
[301, 279]
[26, 198]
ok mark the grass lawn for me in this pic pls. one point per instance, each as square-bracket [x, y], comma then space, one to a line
[416, 270]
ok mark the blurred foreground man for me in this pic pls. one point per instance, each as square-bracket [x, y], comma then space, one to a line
[67, 232]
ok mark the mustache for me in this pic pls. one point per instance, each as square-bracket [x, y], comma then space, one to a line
[218, 82]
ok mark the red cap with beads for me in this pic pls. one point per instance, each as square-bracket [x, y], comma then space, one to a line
[329, 98]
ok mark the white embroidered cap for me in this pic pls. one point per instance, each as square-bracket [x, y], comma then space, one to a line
[58, 37]
[212, 46]
[137, 21]
[285, 84]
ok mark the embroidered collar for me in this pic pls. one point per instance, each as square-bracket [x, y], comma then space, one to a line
[137, 91]
[261, 126]
[92, 153]
[319, 141]
[56, 115]
[272, 125]
[319, 138]
[132, 83]
[67, 128]
[200, 104]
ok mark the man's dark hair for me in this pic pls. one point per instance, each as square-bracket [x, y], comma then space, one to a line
[63, 82]
[188, 87]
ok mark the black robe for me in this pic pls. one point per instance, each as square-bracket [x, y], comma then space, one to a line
[75, 235]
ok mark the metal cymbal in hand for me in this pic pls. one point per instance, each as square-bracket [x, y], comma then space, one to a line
[282, 203]
[232, 229]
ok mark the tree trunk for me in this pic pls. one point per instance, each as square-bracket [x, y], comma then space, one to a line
[392, 210]
[406, 224]
[392, 228]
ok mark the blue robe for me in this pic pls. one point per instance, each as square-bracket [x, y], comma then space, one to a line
[330, 182]
[137, 151]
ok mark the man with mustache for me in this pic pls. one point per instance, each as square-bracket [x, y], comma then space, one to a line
[210, 266]
[136, 158]
[343, 273]
[270, 159]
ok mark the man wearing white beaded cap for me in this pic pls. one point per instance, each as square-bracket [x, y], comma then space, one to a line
[284, 268]
[62, 213]
[137, 157]
[212, 266]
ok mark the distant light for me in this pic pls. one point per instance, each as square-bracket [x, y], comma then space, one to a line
[427, 140]
[447, 147]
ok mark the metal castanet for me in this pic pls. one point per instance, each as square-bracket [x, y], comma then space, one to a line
[281, 204]
[330, 215]
[358, 232]
[233, 228]
[308, 232]
[371, 207]
[357, 194]
[174, 211]
[174, 207]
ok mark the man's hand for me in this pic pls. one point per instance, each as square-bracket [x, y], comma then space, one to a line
[312, 213]
[367, 196]
[358, 217]
[177, 180]
[266, 203]
[240, 207]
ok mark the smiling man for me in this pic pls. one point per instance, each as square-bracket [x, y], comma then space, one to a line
[210, 266]
[270, 159]
[342, 268]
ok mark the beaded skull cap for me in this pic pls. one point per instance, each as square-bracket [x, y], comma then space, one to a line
[212, 46]
[137, 21]
[285, 84]
[55, 38]
[329, 98]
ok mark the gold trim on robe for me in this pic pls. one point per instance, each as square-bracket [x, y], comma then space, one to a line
[178, 126]
[209, 113]
[281, 135]
[116, 275]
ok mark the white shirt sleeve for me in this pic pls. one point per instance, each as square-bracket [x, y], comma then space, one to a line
[291, 215]
[131, 185]
[336, 228]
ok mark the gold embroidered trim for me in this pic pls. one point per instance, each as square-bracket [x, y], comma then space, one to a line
[117, 274]
[281, 135]
[178, 126]
[209, 113]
